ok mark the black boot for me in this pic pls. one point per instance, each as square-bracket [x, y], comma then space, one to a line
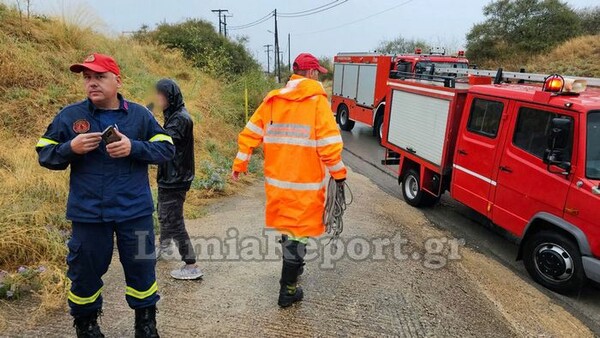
[87, 326]
[289, 293]
[145, 323]
[301, 270]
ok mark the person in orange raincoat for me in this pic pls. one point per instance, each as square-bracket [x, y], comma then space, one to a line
[301, 143]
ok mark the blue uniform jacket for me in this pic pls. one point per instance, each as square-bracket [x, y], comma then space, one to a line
[103, 189]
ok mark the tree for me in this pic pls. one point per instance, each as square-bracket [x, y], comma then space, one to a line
[590, 20]
[401, 45]
[200, 42]
[521, 29]
[326, 62]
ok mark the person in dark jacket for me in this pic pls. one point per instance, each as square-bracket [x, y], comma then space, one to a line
[109, 193]
[175, 178]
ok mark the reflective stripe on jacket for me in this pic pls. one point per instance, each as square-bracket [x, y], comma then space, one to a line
[301, 141]
[101, 188]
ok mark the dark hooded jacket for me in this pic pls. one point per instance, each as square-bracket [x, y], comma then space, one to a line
[179, 172]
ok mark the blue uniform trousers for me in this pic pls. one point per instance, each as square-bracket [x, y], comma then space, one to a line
[90, 254]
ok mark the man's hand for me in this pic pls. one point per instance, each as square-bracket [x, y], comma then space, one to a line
[84, 143]
[121, 148]
[235, 176]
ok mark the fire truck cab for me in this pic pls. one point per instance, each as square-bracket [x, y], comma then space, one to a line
[360, 82]
[525, 156]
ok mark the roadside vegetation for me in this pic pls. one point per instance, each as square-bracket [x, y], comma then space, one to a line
[35, 53]
[529, 33]
[546, 36]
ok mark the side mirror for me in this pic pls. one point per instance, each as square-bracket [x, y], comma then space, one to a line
[558, 141]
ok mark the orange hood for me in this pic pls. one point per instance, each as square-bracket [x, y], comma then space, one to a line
[298, 88]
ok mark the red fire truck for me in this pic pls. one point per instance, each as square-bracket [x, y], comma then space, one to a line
[526, 156]
[360, 82]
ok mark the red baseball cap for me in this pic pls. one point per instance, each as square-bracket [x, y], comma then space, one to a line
[98, 63]
[307, 61]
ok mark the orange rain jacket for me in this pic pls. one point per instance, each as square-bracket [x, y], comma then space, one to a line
[301, 140]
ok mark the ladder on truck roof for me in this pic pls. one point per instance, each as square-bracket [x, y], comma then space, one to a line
[531, 77]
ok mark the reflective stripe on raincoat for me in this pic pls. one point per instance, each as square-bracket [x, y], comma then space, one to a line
[301, 141]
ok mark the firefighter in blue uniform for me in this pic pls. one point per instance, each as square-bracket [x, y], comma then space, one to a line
[109, 193]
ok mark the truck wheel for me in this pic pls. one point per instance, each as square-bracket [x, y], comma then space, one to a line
[378, 128]
[554, 261]
[343, 118]
[413, 195]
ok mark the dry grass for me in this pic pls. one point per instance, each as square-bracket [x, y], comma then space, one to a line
[579, 56]
[35, 83]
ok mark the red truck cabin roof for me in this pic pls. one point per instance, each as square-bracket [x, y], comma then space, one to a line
[586, 101]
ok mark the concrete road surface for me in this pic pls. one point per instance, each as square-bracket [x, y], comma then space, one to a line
[394, 274]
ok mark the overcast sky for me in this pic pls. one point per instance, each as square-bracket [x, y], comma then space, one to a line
[355, 25]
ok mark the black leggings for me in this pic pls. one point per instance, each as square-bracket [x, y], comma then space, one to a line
[172, 225]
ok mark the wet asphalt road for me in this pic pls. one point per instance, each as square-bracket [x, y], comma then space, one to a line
[364, 154]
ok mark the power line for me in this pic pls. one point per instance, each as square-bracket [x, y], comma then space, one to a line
[315, 10]
[307, 12]
[254, 23]
[356, 21]
[312, 9]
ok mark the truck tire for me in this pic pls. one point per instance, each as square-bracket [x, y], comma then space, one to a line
[413, 195]
[378, 128]
[554, 261]
[343, 118]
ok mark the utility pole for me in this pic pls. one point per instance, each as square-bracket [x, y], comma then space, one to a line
[219, 11]
[268, 51]
[289, 52]
[277, 70]
[225, 23]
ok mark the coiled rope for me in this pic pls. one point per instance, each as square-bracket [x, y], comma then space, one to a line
[335, 206]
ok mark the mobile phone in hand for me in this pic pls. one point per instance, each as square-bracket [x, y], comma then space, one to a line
[109, 135]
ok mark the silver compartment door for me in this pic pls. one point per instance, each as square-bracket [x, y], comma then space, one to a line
[366, 87]
[338, 78]
[419, 122]
[350, 81]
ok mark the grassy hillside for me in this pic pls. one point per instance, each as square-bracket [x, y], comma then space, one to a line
[579, 56]
[34, 84]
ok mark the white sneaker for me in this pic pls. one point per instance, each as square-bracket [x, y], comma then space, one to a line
[187, 272]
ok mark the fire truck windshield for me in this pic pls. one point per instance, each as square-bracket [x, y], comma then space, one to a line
[424, 67]
[593, 146]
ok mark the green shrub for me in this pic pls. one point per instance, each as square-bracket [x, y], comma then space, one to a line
[200, 43]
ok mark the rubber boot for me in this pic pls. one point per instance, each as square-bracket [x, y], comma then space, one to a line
[145, 323]
[289, 292]
[87, 326]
